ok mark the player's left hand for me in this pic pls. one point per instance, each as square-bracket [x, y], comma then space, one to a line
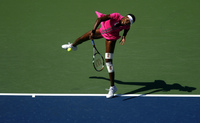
[122, 41]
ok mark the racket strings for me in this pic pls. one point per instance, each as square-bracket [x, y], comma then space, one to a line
[98, 62]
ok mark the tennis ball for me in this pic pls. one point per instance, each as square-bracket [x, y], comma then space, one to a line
[69, 49]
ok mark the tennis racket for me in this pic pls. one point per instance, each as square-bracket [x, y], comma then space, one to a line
[98, 61]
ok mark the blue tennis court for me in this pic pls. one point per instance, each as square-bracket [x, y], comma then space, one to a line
[98, 109]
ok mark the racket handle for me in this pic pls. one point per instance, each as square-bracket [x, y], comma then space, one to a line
[93, 42]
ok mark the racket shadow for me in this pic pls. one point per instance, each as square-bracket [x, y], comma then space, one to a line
[159, 85]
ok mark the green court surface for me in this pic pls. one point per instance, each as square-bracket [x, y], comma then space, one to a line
[163, 44]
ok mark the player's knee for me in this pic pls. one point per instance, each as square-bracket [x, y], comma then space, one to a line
[109, 65]
[109, 56]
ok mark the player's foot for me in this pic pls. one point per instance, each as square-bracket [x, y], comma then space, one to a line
[69, 45]
[111, 92]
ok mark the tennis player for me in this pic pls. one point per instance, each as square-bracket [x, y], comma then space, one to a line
[111, 25]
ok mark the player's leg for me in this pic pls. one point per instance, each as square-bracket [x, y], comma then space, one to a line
[82, 39]
[110, 46]
[85, 37]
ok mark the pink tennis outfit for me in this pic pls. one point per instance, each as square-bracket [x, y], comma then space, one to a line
[108, 29]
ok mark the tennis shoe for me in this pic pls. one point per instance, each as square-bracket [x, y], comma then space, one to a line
[111, 92]
[69, 45]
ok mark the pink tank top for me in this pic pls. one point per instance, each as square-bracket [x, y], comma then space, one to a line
[108, 29]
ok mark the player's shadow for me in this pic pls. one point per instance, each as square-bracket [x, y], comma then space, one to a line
[156, 86]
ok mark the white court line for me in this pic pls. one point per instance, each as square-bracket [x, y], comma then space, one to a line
[121, 95]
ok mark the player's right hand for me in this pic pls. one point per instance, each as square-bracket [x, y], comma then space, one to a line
[91, 36]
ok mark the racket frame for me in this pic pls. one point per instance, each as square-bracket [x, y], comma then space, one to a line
[95, 51]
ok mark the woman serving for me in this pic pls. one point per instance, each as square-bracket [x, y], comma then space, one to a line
[111, 25]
